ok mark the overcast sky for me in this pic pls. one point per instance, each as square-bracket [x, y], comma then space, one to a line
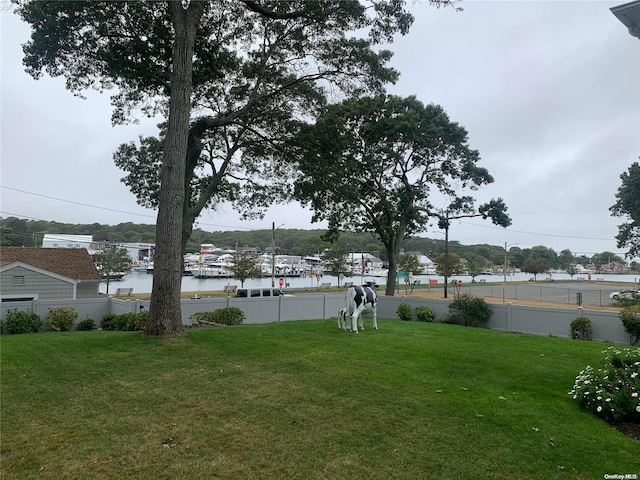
[548, 91]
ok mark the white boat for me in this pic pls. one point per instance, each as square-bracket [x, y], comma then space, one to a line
[113, 275]
[376, 272]
[580, 270]
[211, 270]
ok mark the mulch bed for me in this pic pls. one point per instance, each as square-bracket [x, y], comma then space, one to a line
[630, 429]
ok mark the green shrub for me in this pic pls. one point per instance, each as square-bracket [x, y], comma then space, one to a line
[108, 321]
[229, 316]
[126, 322]
[61, 319]
[424, 314]
[631, 323]
[21, 321]
[613, 391]
[141, 319]
[223, 316]
[87, 324]
[580, 329]
[469, 311]
[405, 312]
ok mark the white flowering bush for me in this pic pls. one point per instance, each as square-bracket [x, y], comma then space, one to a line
[613, 391]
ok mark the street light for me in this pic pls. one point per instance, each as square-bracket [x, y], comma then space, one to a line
[504, 269]
[273, 252]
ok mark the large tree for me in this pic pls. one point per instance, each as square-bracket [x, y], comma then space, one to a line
[335, 261]
[112, 261]
[536, 265]
[565, 258]
[449, 264]
[381, 164]
[627, 206]
[176, 57]
[245, 266]
[605, 258]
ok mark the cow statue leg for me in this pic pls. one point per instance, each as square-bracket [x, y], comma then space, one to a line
[342, 318]
[354, 321]
[374, 315]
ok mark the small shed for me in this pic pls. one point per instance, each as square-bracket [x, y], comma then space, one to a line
[28, 273]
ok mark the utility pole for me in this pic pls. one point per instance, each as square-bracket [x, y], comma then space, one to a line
[504, 270]
[273, 254]
[446, 257]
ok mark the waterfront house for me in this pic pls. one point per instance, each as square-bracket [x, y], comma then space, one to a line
[28, 273]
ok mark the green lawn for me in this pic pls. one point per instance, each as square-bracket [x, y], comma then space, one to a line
[302, 400]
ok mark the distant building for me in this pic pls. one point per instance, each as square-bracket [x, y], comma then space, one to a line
[60, 240]
[139, 252]
[629, 15]
[426, 263]
[612, 267]
[31, 273]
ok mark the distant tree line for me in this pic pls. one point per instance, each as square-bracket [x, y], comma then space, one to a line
[29, 233]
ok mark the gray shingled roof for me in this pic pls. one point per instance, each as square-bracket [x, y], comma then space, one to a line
[74, 263]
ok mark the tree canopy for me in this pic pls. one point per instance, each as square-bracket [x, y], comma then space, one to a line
[234, 62]
[381, 165]
[535, 265]
[111, 261]
[627, 206]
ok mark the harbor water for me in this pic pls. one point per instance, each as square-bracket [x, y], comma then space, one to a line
[142, 282]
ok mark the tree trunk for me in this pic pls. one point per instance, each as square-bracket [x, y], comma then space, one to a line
[165, 317]
[391, 276]
[393, 250]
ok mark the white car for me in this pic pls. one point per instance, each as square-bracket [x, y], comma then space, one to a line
[628, 293]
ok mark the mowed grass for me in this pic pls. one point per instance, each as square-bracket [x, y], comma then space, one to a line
[302, 400]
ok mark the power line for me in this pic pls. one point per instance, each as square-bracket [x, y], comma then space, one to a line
[107, 209]
[75, 203]
[537, 233]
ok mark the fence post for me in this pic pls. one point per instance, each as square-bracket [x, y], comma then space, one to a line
[509, 316]
[324, 306]
[279, 308]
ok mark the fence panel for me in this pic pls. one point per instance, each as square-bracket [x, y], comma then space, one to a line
[500, 317]
[607, 326]
[505, 317]
[190, 306]
[258, 310]
[541, 321]
[93, 308]
[119, 306]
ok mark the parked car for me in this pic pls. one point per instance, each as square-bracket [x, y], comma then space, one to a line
[258, 292]
[627, 293]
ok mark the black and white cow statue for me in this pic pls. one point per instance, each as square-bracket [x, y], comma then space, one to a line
[358, 299]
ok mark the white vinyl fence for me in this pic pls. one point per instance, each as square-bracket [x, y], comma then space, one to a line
[505, 317]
